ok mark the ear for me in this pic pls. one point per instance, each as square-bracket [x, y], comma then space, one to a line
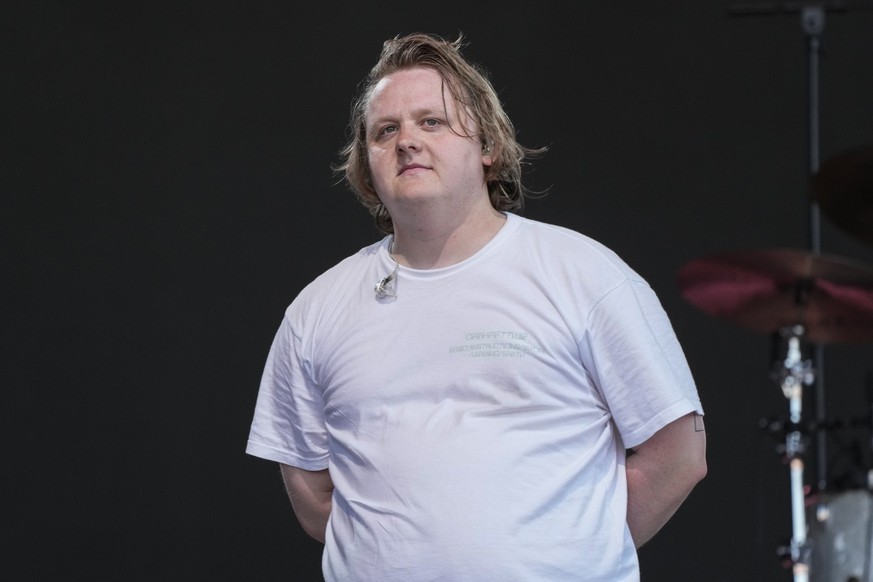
[487, 153]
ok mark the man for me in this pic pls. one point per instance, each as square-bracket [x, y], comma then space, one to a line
[468, 418]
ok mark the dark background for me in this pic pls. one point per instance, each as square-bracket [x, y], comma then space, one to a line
[166, 191]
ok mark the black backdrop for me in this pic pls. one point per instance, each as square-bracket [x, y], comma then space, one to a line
[166, 192]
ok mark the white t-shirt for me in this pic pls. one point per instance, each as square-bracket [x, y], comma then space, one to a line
[475, 425]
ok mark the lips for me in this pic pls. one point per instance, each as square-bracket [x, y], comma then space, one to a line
[411, 167]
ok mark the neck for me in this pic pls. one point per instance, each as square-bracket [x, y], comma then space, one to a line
[423, 247]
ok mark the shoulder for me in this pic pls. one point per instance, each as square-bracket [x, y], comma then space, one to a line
[568, 248]
[349, 276]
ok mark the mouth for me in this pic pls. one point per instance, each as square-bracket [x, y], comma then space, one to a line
[409, 167]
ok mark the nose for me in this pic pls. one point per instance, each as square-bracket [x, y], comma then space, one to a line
[406, 140]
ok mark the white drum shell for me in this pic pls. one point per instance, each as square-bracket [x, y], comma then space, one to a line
[841, 537]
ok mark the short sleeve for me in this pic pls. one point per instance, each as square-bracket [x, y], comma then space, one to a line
[637, 362]
[288, 424]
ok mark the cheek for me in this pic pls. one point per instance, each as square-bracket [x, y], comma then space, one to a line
[376, 152]
[377, 157]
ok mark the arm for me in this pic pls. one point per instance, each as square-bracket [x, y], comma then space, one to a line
[661, 473]
[310, 494]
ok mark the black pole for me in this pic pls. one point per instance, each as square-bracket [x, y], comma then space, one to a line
[813, 22]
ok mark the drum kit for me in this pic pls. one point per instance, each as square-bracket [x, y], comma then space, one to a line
[805, 300]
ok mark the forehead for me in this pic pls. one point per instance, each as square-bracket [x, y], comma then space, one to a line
[411, 88]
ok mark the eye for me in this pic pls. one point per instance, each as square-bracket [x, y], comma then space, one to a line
[386, 130]
[432, 122]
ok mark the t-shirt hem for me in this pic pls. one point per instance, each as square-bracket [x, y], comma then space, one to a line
[659, 421]
[268, 453]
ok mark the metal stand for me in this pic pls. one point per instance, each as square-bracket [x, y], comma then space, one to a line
[793, 374]
[812, 19]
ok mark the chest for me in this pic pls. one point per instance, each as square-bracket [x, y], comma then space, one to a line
[441, 345]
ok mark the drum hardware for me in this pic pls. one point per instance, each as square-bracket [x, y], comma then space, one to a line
[850, 466]
[803, 297]
[779, 426]
[795, 373]
[795, 297]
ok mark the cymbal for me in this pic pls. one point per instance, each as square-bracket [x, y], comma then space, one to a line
[843, 189]
[770, 289]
